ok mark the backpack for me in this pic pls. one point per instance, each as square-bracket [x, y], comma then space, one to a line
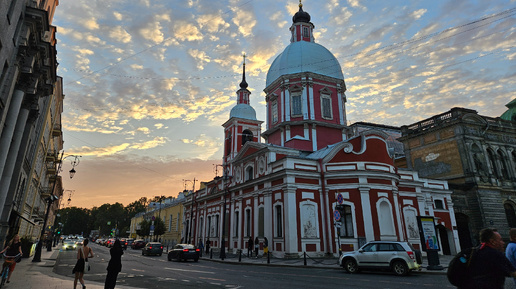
[458, 269]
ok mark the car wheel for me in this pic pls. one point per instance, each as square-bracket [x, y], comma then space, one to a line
[159, 254]
[351, 266]
[143, 253]
[196, 259]
[400, 268]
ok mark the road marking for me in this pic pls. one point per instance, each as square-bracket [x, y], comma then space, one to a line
[189, 270]
[222, 280]
[138, 270]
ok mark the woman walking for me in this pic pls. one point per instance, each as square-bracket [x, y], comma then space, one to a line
[256, 246]
[115, 265]
[82, 257]
[12, 249]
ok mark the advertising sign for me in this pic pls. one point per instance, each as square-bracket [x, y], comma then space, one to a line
[427, 233]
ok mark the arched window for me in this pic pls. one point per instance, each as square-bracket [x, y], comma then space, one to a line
[492, 162]
[249, 173]
[503, 165]
[247, 135]
[510, 214]
[385, 219]
[278, 221]
[346, 220]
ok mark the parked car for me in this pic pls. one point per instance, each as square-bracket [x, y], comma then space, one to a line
[184, 252]
[69, 245]
[152, 248]
[138, 244]
[123, 243]
[399, 257]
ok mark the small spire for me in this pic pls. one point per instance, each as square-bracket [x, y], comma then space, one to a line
[243, 84]
[300, 4]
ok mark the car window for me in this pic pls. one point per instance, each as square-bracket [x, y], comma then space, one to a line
[385, 247]
[399, 247]
[370, 248]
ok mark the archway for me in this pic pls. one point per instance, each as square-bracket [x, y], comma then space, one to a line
[445, 241]
[463, 230]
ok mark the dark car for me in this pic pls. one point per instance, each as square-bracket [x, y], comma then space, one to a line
[123, 243]
[138, 244]
[152, 248]
[128, 242]
[184, 252]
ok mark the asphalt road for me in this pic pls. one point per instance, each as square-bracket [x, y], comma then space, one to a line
[156, 272]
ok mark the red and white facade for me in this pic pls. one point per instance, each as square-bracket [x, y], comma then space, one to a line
[287, 188]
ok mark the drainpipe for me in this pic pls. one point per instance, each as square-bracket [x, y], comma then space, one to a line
[325, 205]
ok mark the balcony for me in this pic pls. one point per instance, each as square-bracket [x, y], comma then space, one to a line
[57, 130]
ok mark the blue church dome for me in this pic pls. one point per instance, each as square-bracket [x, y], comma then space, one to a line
[304, 56]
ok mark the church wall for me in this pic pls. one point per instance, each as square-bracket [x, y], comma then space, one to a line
[327, 136]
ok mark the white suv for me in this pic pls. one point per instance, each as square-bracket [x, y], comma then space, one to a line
[400, 257]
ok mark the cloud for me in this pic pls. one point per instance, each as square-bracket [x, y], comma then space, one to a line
[120, 34]
[209, 145]
[91, 24]
[201, 57]
[184, 31]
[418, 13]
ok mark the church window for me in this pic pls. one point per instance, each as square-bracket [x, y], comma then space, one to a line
[249, 173]
[247, 135]
[305, 32]
[274, 112]
[296, 105]
[346, 220]
[278, 221]
[510, 214]
[326, 107]
[228, 143]
[439, 204]
[247, 223]
[235, 229]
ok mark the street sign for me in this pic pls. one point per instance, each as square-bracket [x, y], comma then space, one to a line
[151, 233]
[153, 218]
[338, 224]
[336, 215]
[340, 199]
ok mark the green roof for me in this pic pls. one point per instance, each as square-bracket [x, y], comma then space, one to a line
[510, 114]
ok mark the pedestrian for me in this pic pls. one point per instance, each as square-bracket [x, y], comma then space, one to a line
[489, 266]
[250, 247]
[12, 249]
[265, 246]
[82, 257]
[256, 246]
[510, 251]
[200, 246]
[208, 243]
[114, 266]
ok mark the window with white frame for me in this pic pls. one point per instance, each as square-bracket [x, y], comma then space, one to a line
[247, 223]
[346, 220]
[170, 223]
[326, 110]
[305, 32]
[177, 222]
[278, 222]
[274, 111]
[439, 204]
[249, 173]
[209, 229]
[217, 221]
[296, 108]
[235, 228]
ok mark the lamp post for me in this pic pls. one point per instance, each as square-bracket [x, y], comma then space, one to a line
[223, 241]
[50, 200]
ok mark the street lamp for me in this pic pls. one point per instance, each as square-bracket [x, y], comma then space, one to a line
[223, 241]
[50, 200]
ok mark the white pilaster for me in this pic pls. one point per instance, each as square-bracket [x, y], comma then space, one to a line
[367, 214]
[290, 217]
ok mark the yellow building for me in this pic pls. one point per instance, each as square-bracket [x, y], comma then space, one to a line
[171, 212]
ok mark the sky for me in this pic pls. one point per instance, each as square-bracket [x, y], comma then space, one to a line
[148, 84]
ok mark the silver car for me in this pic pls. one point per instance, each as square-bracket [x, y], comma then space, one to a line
[399, 257]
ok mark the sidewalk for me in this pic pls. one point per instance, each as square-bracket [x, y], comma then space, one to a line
[40, 275]
[329, 263]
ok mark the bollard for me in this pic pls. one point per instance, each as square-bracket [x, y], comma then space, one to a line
[211, 253]
[239, 255]
[268, 258]
[304, 253]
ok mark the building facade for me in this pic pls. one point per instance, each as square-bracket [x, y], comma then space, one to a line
[30, 116]
[476, 155]
[311, 187]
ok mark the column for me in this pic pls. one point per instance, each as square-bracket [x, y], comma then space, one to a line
[366, 213]
[290, 218]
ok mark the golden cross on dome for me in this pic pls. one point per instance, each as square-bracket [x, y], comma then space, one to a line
[244, 56]
[300, 4]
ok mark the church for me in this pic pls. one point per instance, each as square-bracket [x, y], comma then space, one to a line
[311, 186]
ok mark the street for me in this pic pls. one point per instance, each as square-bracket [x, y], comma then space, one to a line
[156, 272]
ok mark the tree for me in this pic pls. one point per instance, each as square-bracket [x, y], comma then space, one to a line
[144, 228]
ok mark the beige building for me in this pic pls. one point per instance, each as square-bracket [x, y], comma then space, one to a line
[171, 211]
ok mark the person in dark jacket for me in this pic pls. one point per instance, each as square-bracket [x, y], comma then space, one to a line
[250, 247]
[115, 265]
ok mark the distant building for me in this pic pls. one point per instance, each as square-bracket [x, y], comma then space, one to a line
[30, 116]
[476, 155]
[315, 185]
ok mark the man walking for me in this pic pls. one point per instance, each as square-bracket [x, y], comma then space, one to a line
[510, 251]
[489, 266]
